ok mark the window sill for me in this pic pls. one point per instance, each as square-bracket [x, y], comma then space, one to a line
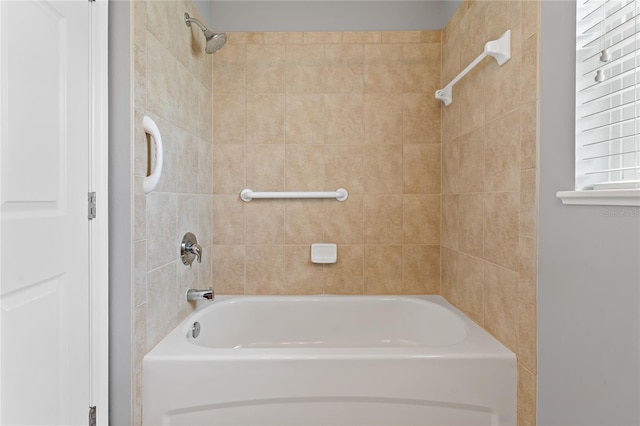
[603, 197]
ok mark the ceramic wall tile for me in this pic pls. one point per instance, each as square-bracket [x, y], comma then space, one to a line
[228, 275]
[161, 71]
[383, 68]
[241, 37]
[265, 222]
[421, 168]
[304, 68]
[420, 269]
[432, 36]
[228, 220]
[501, 304]
[420, 118]
[528, 204]
[526, 397]
[401, 36]
[230, 70]
[469, 287]
[471, 161]
[265, 119]
[470, 224]
[383, 169]
[343, 168]
[305, 119]
[343, 222]
[421, 219]
[527, 330]
[501, 228]
[265, 69]
[382, 119]
[502, 153]
[265, 269]
[527, 280]
[229, 169]
[301, 275]
[265, 167]
[383, 219]
[321, 111]
[304, 221]
[347, 275]
[344, 64]
[293, 37]
[530, 17]
[161, 300]
[528, 135]
[320, 37]
[140, 273]
[421, 72]
[383, 269]
[361, 37]
[304, 168]
[344, 119]
[450, 228]
[529, 73]
[172, 84]
[229, 119]
[489, 161]
[161, 229]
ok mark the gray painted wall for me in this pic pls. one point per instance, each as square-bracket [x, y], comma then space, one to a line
[119, 215]
[588, 271]
[373, 15]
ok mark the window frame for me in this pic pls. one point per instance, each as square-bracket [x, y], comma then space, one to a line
[609, 197]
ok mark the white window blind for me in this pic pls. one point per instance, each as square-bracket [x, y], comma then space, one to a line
[608, 94]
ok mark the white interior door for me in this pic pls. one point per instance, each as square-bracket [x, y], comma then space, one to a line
[44, 154]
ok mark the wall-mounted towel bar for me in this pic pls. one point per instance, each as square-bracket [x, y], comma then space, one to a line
[339, 194]
[499, 49]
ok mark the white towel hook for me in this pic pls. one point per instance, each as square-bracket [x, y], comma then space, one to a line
[500, 49]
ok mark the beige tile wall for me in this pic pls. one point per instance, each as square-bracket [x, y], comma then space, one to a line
[318, 111]
[315, 111]
[489, 174]
[172, 84]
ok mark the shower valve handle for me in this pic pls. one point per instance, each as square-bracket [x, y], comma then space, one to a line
[190, 249]
[196, 250]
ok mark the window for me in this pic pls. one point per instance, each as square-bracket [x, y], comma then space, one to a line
[608, 99]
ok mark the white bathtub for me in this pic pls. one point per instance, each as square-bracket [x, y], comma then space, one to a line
[329, 360]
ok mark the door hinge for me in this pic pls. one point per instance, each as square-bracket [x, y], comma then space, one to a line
[92, 416]
[92, 205]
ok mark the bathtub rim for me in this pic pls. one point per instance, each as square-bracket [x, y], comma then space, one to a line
[479, 343]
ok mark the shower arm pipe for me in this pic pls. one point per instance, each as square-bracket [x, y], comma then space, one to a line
[339, 194]
[189, 20]
[500, 49]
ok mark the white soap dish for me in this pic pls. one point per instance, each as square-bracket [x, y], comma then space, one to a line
[324, 253]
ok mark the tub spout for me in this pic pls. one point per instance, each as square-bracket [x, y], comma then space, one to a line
[194, 295]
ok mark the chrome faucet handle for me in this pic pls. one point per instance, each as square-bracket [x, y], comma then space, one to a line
[194, 295]
[197, 250]
[190, 249]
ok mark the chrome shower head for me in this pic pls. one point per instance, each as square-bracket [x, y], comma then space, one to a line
[215, 41]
